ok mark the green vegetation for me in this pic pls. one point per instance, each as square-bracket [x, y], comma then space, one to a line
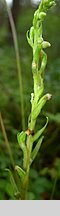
[44, 178]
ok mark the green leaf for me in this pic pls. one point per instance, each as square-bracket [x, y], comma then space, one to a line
[38, 134]
[32, 34]
[28, 39]
[21, 137]
[36, 149]
[12, 181]
[43, 62]
[21, 172]
[21, 140]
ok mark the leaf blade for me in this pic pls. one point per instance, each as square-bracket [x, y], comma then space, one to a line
[36, 149]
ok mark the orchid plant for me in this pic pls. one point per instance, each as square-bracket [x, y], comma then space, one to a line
[27, 138]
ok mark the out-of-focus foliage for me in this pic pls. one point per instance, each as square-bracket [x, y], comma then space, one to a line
[45, 170]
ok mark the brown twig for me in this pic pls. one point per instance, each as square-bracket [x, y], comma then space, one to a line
[18, 62]
[6, 139]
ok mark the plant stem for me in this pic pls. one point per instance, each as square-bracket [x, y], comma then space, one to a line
[54, 186]
[6, 140]
[24, 188]
[18, 63]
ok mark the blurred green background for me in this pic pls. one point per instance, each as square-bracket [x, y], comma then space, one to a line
[45, 172]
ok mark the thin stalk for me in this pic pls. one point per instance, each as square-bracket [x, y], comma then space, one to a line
[6, 140]
[54, 186]
[18, 63]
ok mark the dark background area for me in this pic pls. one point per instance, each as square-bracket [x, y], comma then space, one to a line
[45, 172]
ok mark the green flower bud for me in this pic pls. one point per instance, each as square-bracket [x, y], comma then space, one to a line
[45, 44]
[46, 4]
[52, 4]
[40, 105]
[42, 15]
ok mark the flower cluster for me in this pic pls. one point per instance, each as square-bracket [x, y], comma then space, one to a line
[27, 138]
